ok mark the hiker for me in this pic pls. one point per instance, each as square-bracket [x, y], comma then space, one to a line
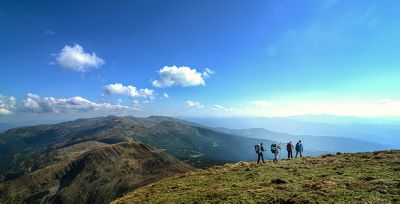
[289, 148]
[275, 150]
[259, 150]
[299, 149]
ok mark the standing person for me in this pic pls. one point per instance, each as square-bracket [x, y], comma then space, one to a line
[299, 149]
[289, 148]
[259, 150]
[275, 150]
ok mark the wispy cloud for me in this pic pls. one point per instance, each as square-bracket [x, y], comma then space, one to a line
[49, 32]
[261, 103]
[75, 58]
[181, 76]
[194, 104]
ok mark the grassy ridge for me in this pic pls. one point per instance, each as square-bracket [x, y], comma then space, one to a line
[360, 177]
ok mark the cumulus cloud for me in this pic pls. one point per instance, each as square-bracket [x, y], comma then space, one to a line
[7, 104]
[36, 104]
[261, 103]
[193, 104]
[129, 90]
[75, 58]
[165, 95]
[181, 76]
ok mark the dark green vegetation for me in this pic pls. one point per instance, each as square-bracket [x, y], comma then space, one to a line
[345, 178]
[91, 172]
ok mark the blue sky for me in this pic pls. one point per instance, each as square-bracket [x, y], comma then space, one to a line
[68, 59]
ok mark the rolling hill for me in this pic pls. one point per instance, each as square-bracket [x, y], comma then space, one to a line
[346, 178]
[91, 172]
[189, 142]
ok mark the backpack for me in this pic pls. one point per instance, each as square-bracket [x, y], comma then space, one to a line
[298, 147]
[257, 148]
[289, 146]
[273, 148]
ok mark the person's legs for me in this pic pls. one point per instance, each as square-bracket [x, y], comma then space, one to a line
[275, 156]
[258, 158]
[301, 154]
[262, 157]
[297, 153]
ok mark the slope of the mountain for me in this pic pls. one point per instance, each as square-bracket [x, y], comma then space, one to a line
[91, 172]
[311, 143]
[185, 141]
[179, 138]
[346, 178]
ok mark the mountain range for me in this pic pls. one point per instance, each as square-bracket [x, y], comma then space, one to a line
[313, 144]
[387, 134]
[99, 159]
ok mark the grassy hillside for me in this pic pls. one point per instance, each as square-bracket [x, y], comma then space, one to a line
[345, 178]
[91, 173]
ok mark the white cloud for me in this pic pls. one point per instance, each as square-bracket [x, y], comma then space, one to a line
[146, 93]
[76, 104]
[121, 89]
[193, 104]
[261, 103]
[75, 58]
[7, 104]
[165, 95]
[181, 76]
[208, 72]
[217, 107]
[129, 90]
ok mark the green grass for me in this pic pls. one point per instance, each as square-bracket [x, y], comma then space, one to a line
[361, 177]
